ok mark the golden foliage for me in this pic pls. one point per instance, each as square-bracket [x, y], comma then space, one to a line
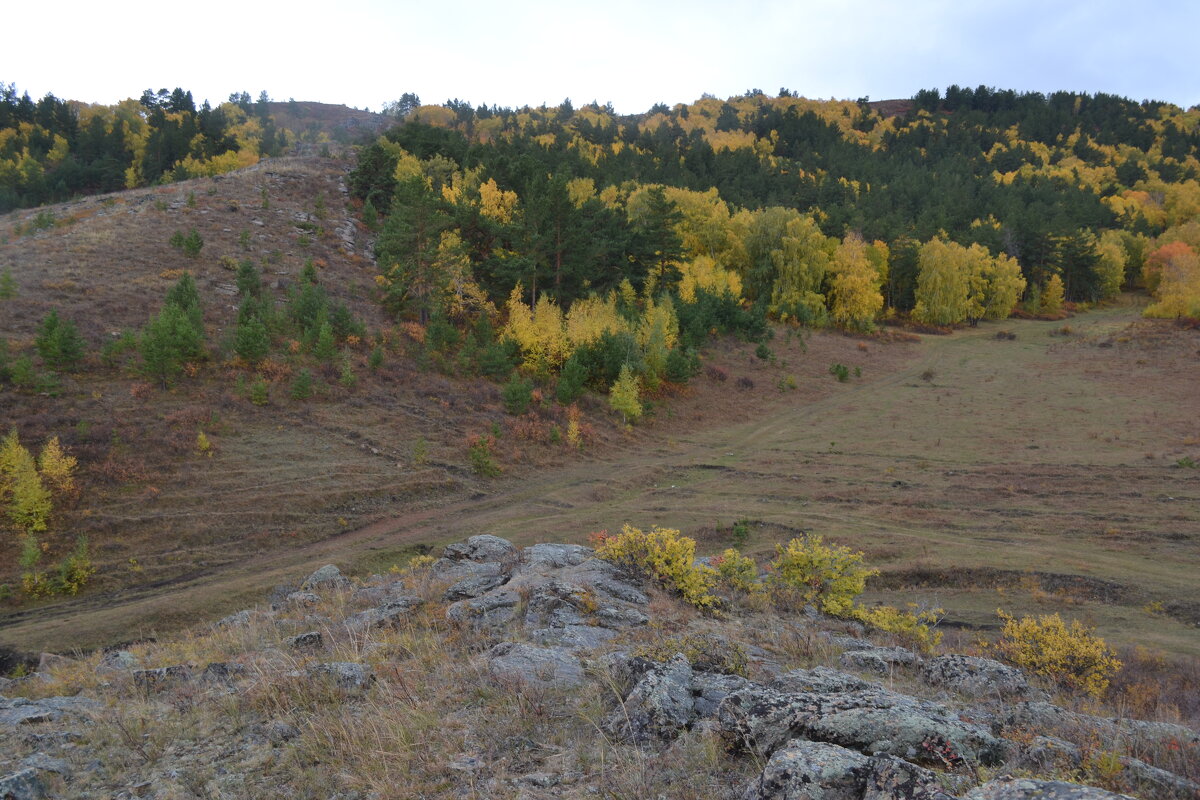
[57, 467]
[624, 395]
[1073, 657]
[806, 570]
[704, 273]
[665, 556]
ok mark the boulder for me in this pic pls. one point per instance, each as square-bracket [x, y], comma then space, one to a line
[710, 688]
[387, 615]
[976, 677]
[23, 784]
[544, 667]
[162, 677]
[882, 660]
[822, 771]
[491, 610]
[327, 577]
[303, 599]
[821, 680]
[19, 710]
[574, 637]
[346, 675]
[474, 586]
[480, 549]
[660, 705]
[311, 640]
[117, 661]
[51, 661]
[551, 556]
[1010, 788]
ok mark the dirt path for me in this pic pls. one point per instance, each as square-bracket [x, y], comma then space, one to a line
[1040, 454]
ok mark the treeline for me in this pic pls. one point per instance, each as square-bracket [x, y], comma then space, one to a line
[52, 150]
[823, 212]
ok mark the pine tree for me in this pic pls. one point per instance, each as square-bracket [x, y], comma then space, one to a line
[252, 342]
[58, 342]
[8, 286]
[167, 341]
[323, 349]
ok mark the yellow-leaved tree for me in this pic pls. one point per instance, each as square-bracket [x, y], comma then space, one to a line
[624, 395]
[1052, 295]
[57, 467]
[461, 297]
[1176, 269]
[801, 261]
[540, 332]
[1110, 268]
[854, 295]
[22, 492]
[943, 283]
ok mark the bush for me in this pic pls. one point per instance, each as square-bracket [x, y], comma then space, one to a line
[260, 392]
[704, 652]
[302, 385]
[624, 396]
[829, 576]
[1073, 657]
[483, 462]
[839, 371]
[915, 628]
[666, 557]
[737, 571]
[682, 365]
[498, 359]
[191, 244]
[571, 381]
[58, 342]
[517, 394]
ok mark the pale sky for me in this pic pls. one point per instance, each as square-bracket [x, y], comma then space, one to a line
[633, 54]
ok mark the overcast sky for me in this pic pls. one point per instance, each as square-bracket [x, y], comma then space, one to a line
[633, 54]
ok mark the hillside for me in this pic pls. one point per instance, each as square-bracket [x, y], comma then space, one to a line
[550, 672]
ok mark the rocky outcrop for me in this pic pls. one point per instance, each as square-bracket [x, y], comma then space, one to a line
[1009, 788]
[547, 667]
[822, 771]
[976, 677]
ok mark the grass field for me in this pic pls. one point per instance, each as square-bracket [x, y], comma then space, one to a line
[1036, 471]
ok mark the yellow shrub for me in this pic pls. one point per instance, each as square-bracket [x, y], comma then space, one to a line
[830, 576]
[1073, 657]
[916, 628]
[737, 571]
[665, 556]
[703, 652]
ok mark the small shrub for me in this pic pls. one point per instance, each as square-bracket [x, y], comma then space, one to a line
[75, 570]
[682, 365]
[483, 461]
[570, 381]
[740, 532]
[574, 429]
[517, 394]
[806, 570]
[716, 373]
[737, 571]
[8, 286]
[203, 444]
[375, 360]
[58, 342]
[916, 628]
[302, 385]
[928, 375]
[260, 393]
[666, 557]
[744, 383]
[764, 352]
[1187, 462]
[1074, 657]
[346, 375]
[786, 384]
[839, 371]
[244, 240]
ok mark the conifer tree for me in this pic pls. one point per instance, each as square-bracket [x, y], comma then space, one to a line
[58, 342]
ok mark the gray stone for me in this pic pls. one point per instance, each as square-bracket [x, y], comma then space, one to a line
[23, 784]
[1010, 788]
[18, 710]
[117, 661]
[238, 619]
[221, 672]
[874, 721]
[327, 577]
[343, 674]
[821, 680]
[822, 771]
[549, 667]
[975, 677]
[51, 661]
[574, 637]
[549, 556]
[388, 615]
[882, 660]
[45, 763]
[278, 731]
[710, 688]
[310, 640]
[449, 569]
[1162, 782]
[1043, 716]
[491, 610]
[474, 586]
[303, 599]
[613, 617]
[162, 677]
[660, 705]
[481, 548]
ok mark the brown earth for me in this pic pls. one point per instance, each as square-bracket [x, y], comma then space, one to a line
[1036, 474]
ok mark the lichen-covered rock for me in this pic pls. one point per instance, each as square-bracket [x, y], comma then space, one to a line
[309, 640]
[302, 599]
[574, 637]
[874, 721]
[117, 661]
[23, 784]
[975, 677]
[660, 705]
[810, 770]
[1046, 717]
[327, 577]
[892, 778]
[346, 675]
[162, 677]
[710, 688]
[1009, 788]
[238, 619]
[550, 556]
[390, 614]
[552, 667]
[822, 680]
[19, 710]
[481, 548]
[474, 586]
[882, 660]
[491, 610]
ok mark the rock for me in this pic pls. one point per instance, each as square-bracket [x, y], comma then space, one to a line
[449, 569]
[549, 556]
[221, 672]
[975, 677]
[574, 637]
[327, 577]
[660, 705]
[303, 599]
[117, 661]
[52, 661]
[1049, 754]
[474, 586]
[1164, 783]
[606, 579]
[387, 615]
[464, 762]
[44, 763]
[821, 680]
[882, 660]
[305, 641]
[492, 610]
[18, 710]
[238, 619]
[1010, 788]
[23, 784]
[710, 688]
[613, 617]
[343, 674]
[871, 720]
[821, 771]
[279, 732]
[548, 667]
[481, 548]
[1047, 717]
[162, 677]
[557, 604]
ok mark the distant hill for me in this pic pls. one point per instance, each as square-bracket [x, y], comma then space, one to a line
[341, 123]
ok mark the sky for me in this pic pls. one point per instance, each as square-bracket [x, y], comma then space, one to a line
[364, 53]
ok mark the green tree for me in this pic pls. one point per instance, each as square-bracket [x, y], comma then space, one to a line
[408, 248]
[571, 381]
[324, 348]
[167, 342]
[252, 341]
[58, 342]
[8, 286]
[249, 282]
